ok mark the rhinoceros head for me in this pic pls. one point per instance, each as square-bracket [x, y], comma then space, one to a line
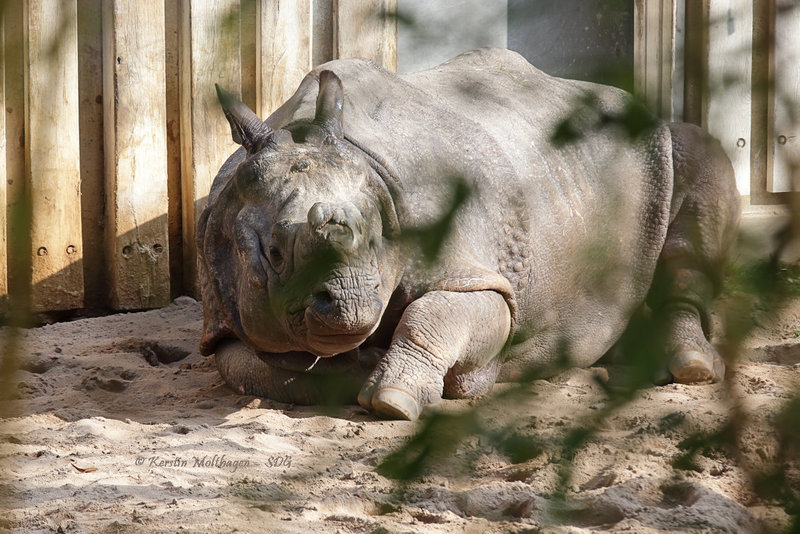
[295, 251]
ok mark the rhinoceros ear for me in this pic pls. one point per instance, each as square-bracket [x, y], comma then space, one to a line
[329, 103]
[246, 128]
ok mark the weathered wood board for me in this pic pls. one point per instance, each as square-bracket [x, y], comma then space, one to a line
[3, 182]
[137, 236]
[210, 43]
[284, 51]
[90, 85]
[367, 29]
[653, 64]
[52, 153]
[728, 108]
[18, 269]
[172, 42]
[249, 49]
[322, 24]
[783, 167]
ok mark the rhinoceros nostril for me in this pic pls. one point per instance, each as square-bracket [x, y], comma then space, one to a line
[322, 299]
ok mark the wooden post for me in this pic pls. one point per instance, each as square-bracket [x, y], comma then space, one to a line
[783, 156]
[90, 85]
[695, 62]
[367, 29]
[18, 238]
[137, 235]
[728, 103]
[284, 48]
[3, 182]
[209, 54]
[656, 50]
[250, 47]
[322, 31]
[52, 152]
[172, 17]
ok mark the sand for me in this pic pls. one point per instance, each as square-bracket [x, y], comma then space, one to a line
[122, 426]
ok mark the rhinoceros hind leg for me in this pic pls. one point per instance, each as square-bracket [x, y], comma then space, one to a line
[241, 369]
[703, 220]
[460, 383]
[692, 359]
[247, 374]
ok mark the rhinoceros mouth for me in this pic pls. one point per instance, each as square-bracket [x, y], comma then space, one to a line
[326, 346]
[306, 362]
[330, 334]
[338, 313]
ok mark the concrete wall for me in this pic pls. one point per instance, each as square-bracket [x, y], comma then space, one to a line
[430, 32]
[584, 39]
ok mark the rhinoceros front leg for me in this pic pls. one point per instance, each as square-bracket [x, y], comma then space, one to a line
[445, 342]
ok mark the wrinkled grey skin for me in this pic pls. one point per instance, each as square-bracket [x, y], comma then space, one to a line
[310, 244]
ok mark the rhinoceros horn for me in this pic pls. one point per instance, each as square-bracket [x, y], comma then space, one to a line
[246, 128]
[329, 103]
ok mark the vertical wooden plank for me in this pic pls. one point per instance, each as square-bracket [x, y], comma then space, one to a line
[18, 231]
[728, 109]
[695, 62]
[52, 153]
[664, 58]
[783, 167]
[678, 49]
[137, 236]
[655, 47]
[322, 40]
[367, 29]
[209, 53]
[90, 86]
[640, 49]
[250, 49]
[284, 50]
[763, 40]
[172, 41]
[3, 182]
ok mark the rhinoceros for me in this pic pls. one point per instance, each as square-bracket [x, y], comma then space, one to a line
[318, 270]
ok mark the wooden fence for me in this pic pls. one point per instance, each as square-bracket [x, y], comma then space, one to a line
[733, 67]
[113, 133]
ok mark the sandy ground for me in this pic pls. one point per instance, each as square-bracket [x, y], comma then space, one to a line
[124, 427]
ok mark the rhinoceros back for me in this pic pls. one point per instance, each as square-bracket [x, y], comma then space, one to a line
[574, 231]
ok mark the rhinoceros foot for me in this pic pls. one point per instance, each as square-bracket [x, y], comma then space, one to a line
[695, 367]
[692, 359]
[395, 403]
[397, 399]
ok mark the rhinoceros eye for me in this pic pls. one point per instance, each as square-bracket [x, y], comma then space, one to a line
[275, 257]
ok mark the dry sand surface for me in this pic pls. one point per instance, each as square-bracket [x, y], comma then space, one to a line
[124, 427]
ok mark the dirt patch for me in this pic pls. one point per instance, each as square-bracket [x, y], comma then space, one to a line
[124, 427]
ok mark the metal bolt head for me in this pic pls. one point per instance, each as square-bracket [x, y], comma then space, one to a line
[741, 142]
[42, 251]
[71, 250]
[782, 139]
